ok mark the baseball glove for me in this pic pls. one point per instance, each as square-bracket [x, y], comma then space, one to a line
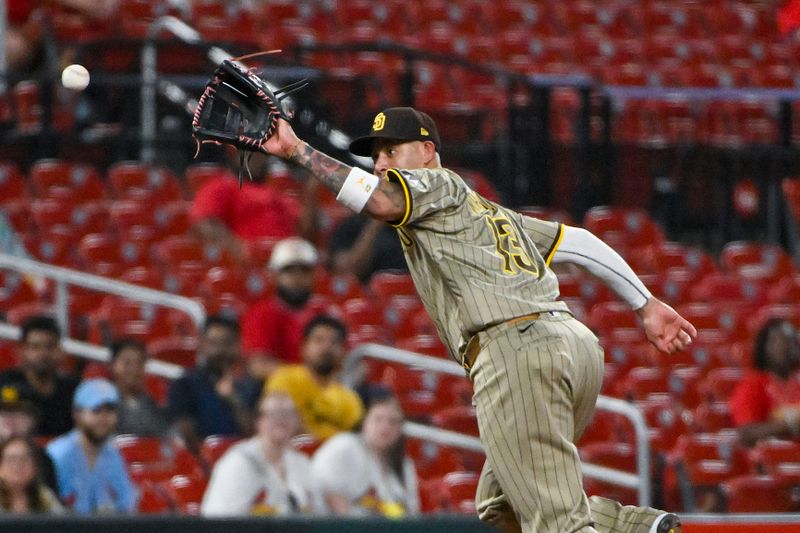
[239, 109]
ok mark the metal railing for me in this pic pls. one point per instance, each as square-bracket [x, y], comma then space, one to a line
[640, 481]
[63, 277]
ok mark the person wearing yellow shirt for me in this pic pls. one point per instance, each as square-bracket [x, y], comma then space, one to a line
[326, 406]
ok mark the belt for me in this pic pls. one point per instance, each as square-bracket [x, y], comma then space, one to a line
[474, 346]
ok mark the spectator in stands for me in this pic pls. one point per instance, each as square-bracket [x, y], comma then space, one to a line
[38, 379]
[326, 406]
[368, 472]
[229, 217]
[18, 420]
[91, 472]
[137, 412]
[264, 474]
[210, 399]
[21, 488]
[766, 403]
[272, 329]
[361, 246]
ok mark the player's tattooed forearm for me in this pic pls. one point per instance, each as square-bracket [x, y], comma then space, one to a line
[326, 169]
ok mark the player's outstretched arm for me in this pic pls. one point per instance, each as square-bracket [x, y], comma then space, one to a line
[665, 328]
[384, 200]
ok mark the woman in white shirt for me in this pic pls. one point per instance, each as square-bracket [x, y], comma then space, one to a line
[368, 472]
[264, 474]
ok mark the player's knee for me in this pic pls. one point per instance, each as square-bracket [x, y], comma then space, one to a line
[500, 515]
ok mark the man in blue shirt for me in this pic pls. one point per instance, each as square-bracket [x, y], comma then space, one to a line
[91, 472]
[210, 399]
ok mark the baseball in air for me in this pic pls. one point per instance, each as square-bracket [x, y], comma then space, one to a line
[75, 77]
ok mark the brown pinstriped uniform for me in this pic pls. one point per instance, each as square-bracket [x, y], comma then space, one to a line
[478, 266]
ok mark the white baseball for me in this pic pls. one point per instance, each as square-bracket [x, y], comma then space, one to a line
[75, 77]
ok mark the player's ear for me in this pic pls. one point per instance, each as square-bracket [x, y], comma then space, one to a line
[429, 150]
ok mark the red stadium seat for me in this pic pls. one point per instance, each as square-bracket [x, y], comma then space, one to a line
[606, 315]
[772, 260]
[760, 494]
[135, 181]
[634, 224]
[683, 383]
[711, 417]
[728, 287]
[104, 255]
[214, 447]
[719, 383]
[177, 350]
[432, 460]
[306, 443]
[384, 285]
[621, 456]
[247, 286]
[779, 458]
[666, 420]
[12, 183]
[152, 499]
[791, 191]
[459, 488]
[198, 173]
[187, 493]
[640, 382]
[136, 448]
[459, 418]
[63, 179]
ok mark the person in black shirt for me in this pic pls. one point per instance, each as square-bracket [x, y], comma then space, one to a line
[362, 246]
[37, 378]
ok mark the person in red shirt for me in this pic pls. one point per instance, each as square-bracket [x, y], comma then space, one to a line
[766, 403]
[273, 328]
[227, 216]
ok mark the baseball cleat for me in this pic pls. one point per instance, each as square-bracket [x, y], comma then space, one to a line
[666, 523]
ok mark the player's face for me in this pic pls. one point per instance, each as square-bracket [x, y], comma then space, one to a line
[387, 153]
[383, 425]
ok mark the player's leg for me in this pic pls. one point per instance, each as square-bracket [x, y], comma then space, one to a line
[524, 382]
[611, 516]
[492, 504]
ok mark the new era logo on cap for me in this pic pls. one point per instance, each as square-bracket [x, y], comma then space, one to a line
[401, 124]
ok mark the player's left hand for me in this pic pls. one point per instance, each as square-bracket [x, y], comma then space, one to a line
[665, 328]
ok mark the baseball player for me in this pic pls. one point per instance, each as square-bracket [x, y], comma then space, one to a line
[483, 273]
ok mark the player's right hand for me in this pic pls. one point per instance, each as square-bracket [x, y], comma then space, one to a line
[665, 328]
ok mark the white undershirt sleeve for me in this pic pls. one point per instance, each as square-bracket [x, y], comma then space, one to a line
[583, 248]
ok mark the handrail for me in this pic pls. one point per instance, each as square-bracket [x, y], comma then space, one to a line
[65, 276]
[98, 353]
[640, 481]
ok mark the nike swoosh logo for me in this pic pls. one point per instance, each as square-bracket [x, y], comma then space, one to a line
[525, 328]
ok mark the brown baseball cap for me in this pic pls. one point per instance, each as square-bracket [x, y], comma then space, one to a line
[399, 123]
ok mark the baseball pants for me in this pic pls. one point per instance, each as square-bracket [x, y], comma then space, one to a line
[535, 384]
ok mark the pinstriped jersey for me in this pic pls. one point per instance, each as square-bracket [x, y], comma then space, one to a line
[474, 263]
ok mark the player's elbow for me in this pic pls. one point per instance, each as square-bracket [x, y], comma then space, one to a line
[382, 207]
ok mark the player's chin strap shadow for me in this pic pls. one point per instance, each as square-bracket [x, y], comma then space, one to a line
[244, 157]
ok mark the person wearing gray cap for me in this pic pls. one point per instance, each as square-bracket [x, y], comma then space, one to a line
[91, 472]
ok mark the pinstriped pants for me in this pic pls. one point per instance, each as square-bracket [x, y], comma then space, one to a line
[535, 387]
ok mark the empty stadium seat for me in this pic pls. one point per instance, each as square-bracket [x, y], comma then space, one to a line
[459, 489]
[13, 185]
[187, 493]
[459, 418]
[64, 179]
[617, 455]
[214, 447]
[759, 494]
[136, 448]
[136, 181]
